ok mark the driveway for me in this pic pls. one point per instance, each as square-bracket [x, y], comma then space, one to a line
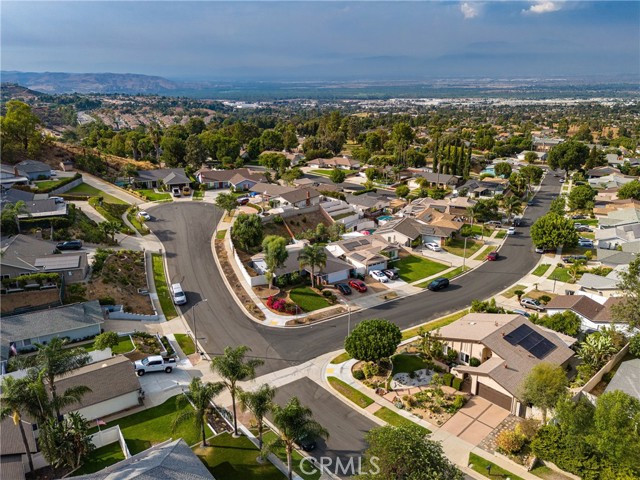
[110, 189]
[477, 419]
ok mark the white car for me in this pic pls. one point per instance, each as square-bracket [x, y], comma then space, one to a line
[145, 215]
[379, 276]
[511, 231]
[433, 246]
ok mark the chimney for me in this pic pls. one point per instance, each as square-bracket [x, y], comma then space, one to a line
[308, 198]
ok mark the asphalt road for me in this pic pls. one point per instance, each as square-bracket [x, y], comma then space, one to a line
[185, 229]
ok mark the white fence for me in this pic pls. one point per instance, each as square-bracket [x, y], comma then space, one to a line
[593, 381]
[120, 315]
[109, 436]
[253, 281]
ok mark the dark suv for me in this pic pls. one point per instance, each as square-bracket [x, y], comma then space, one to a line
[438, 284]
[344, 288]
[69, 245]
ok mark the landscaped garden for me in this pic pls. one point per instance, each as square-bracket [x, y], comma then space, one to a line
[308, 299]
[412, 268]
[90, 191]
[395, 419]
[186, 343]
[560, 274]
[403, 363]
[123, 346]
[153, 196]
[162, 289]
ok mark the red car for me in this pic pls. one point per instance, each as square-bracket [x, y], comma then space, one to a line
[359, 285]
[492, 256]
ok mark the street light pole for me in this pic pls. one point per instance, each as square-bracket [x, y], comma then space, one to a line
[195, 325]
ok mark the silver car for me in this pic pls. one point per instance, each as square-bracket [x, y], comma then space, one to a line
[532, 304]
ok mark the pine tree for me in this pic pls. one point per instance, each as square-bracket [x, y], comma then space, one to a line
[436, 154]
[467, 164]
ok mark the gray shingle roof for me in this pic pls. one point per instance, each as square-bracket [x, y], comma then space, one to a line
[33, 166]
[11, 440]
[170, 176]
[627, 378]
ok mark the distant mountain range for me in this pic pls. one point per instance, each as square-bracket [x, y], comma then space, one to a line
[59, 82]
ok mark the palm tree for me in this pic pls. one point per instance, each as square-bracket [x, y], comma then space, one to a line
[11, 211]
[294, 422]
[512, 206]
[473, 212]
[259, 403]
[15, 400]
[200, 394]
[109, 228]
[312, 256]
[233, 368]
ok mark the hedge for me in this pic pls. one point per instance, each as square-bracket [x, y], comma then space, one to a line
[62, 183]
[38, 278]
[55, 222]
[74, 197]
[447, 378]
[457, 383]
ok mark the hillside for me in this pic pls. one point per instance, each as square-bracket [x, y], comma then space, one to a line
[58, 82]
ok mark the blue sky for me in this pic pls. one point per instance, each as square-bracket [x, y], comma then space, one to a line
[323, 40]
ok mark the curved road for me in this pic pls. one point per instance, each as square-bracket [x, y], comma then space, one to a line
[185, 229]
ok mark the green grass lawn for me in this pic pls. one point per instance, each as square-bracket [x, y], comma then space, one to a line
[356, 396]
[186, 343]
[296, 458]
[198, 194]
[101, 458]
[154, 425]
[320, 171]
[343, 357]
[434, 325]
[512, 291]
[162, 289]
[137, 224]
[43, 184]
[480, 465]
[560, 274]
[220, 234]
[231, 458]
[86, 189]
[154, 196]
[545, 472]
[501, 234]
[456, 247]
[393, 418]
[541, 269]
[414, 268]
[484, 252]
[307, 299]
[124, 346]
[403, 363]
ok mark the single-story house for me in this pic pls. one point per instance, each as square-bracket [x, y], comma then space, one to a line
[335, 270]
[483, 188]
[45, 208]
[611, 238]
[291, 264]
[370, 202]
[457, 206]
[114, 387]
[24, 255]
[631, 247]
[172, 459]
[77, 321]
[593, 315]
[239, 179]
[438, 180]
[627, 378]
[8, 178]
[403, 231]
[613, 258]
[12, 451]
[299, 197]
[507, 346]
[442, 225]
[342, 163]
[614, 159]
[542, 156]
[431, 226]
[13, 195]
[365, 253]
[544, 144]
[612, 180]
[599, 285]
[605, 206]
[599, 172]
[621, 216]
[169, 177]
[33, 170]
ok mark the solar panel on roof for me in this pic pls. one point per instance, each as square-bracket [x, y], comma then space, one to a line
[542, 349]
[518, 334]
[531, 341]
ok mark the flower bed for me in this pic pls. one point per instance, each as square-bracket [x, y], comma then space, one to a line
[281, 305]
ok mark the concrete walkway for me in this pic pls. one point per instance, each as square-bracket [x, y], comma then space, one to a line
[110, 188]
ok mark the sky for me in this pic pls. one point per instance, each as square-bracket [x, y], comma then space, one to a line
[326, 40]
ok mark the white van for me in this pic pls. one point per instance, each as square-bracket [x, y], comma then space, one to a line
[179, 297]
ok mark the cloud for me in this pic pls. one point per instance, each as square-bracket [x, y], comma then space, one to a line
[469, 10]
[543, 7]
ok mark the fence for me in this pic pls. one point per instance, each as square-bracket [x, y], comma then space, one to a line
[139, 317]
[253, 281]
[109, 436]
[593, 381]
[68, 186]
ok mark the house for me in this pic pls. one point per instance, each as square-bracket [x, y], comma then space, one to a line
[611, 238]
[239, 179]
[622, 216]
[299, 198]
[614, 159]
[613, 258]
[627, 378]
[33, 170]
[370, 202]
[604, 287]
[544, 144]
[431, 226]
[437, 180]
[335, 270]
[13, 195]
[507, 347]
[46, 208]
[114, 387]
[67, 165]
[599, 172]
[342, 163]
[8, 178]
[172, 459]
[613, 180]
[291, 264]
[77, 321]
[24, 255]
[610, 203]
[12, 450]
[365, 253]
[169, 177]
[456, 206]
[593, 315]
[403, 231]
[489, 187]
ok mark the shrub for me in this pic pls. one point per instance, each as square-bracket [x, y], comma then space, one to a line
[359, 375]
[510, 442]
[278, 220]
[447, 378]
[457, 383]
[634, 345]
[528, 428]
[459, 401]
[106, 300]
[326, 293]
[544, 299]
[373, 339]
[370, 369]
[452, 355]
[474, 362]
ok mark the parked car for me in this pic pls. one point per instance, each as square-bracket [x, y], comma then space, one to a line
[391, 274]
[493, 223]
[521, 312]
[379, 276]
[574, 258]
[69, 245]
[178, 295]
[176, 192]
[359, 285]
[539, 250]
[511, 231]
[492, 256]
[531, 202]
[58, 200]
[438, 284]
[578, 217]
[145, 215]
[306, 443]
[343, 288]
[583, 228]
[533, 304]
[243, 200]
[433, 246]
[186, 191]
[154, 363]
[585, 243]
[562, 180]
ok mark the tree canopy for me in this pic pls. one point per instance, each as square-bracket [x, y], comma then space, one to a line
[19, 131]
[373, 340]
[552, 230]
[628, 309]
[544, 386]
[275, 252]
[581, 197]
[247, 231]
[568, 156]
[630, 190]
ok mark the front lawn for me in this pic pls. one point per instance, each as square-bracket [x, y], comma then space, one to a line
[228, 458]
[151, 426]
[295, 461]
[484, 252]
[560, 274]
[456, 247]
[434, 325]
[124, 346]
[101, 458]
[414, 268]
[198, 194]
[356, 396]
[86, 189]
[512, 291]
[501, 234]
[137, 224]
[541, 269]
[403, 363]
[307, 299]
[397, 420]
[480, 465]
[220, 234]
[45, 184]
[320, 171]
[162, 289]
[154, 196]
[186, 343]
[343, 357]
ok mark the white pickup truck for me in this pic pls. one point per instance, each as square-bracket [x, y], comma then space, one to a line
[154, 363]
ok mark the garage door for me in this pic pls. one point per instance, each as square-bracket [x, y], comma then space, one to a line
[494, 396]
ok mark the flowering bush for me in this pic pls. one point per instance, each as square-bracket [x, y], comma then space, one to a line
[510, 442]
[281, 305]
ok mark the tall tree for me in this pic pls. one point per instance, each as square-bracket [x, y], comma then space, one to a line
[275, 252]
[630, 190]
[552, 230]
[247, 231]
[503, 169]
[226, 201]
[373, 340]
[19, 130]
[10, 213]
[581, 197]
[259, 403]
[234, 367]
[628, 309]
[512, 206]
[338, 175]
[294, 422]
[544, 386]
[312, 256]
[195, 153]
[568, 156]
[66, 443]
[200, 395]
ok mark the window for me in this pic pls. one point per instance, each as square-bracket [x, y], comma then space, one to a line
[464, 357]
[26, 342]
